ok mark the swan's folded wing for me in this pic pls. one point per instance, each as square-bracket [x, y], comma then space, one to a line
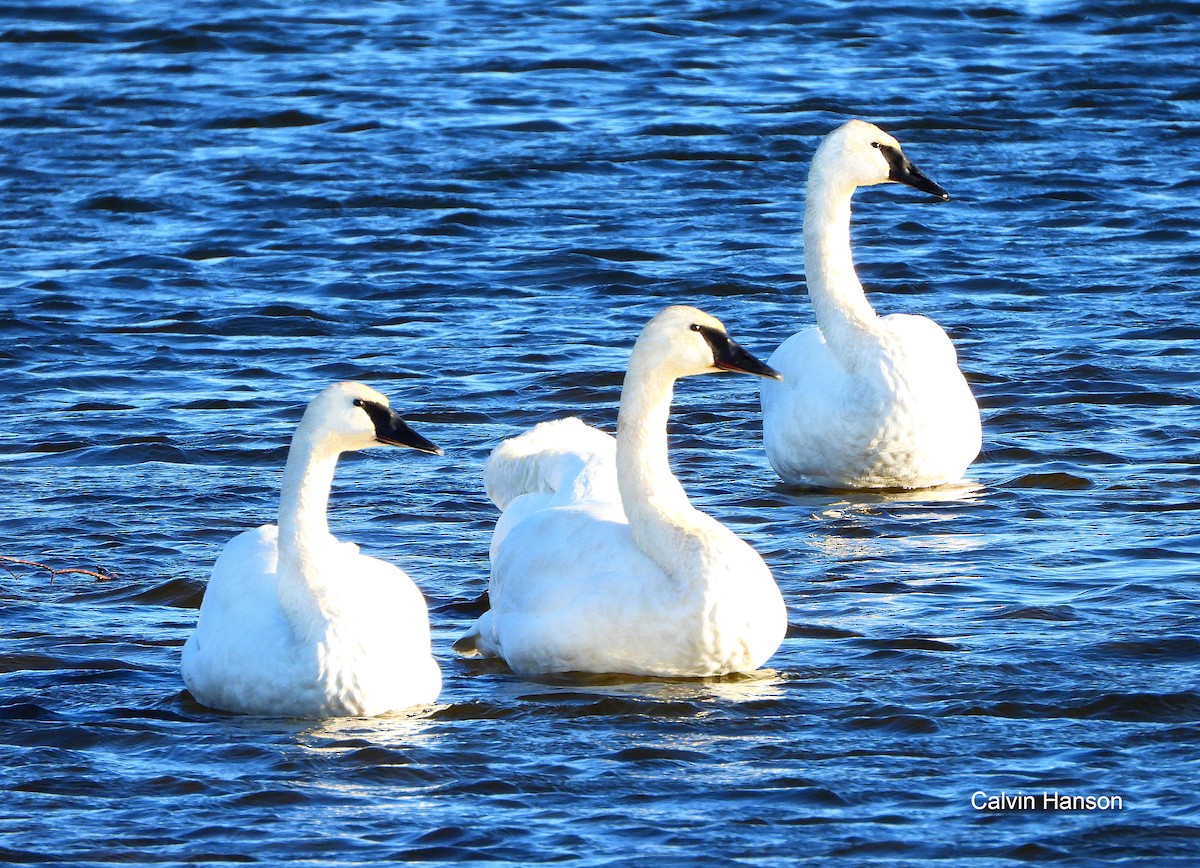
[571, 591]
[384, 601]
[234, 654]
[565, 458]
[243, 578]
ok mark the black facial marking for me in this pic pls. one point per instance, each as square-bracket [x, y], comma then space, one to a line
[894, 157]
[381, 416]
[713, 337]
[729, 355]
[391, 429]
[901, 170]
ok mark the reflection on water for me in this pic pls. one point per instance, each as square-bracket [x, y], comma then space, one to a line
[966, 490]
[398, 730]
[736, 687]
[894, 524]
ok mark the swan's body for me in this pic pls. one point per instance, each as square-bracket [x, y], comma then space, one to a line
[295, 623]
[599, 561]
[867, 401]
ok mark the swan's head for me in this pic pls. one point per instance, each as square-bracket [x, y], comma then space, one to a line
[862, 154]
[681, 341]
[354, 416]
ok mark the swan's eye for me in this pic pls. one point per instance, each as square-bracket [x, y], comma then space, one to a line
[694, 327]
[359, 402]
[875, 145]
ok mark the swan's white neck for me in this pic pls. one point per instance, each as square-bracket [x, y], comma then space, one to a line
[304, 528]
[660, 515]
[843, 313]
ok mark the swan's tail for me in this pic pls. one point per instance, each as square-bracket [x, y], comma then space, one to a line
[470, 645]
[564, 458]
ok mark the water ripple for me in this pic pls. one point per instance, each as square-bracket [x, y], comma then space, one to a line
[213, 210]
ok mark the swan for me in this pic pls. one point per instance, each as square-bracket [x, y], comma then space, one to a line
[867, 401]
[599, 562]
[295, 623]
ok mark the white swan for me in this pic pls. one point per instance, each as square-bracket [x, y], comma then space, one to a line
[867, 401]
[599, 561]
[295, 623]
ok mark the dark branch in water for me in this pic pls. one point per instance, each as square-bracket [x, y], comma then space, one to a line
[101, 574]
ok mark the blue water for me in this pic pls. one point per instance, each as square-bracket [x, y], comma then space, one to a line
[210, 210]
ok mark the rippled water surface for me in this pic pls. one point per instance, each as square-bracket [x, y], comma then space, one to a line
[210, 210]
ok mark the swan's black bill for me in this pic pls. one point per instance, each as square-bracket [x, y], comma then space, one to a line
[394, 431]
[729, 355]
[904, 172]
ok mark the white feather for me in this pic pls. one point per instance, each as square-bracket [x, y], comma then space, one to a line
[866, 401]
[600, 563]
[300, 624]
